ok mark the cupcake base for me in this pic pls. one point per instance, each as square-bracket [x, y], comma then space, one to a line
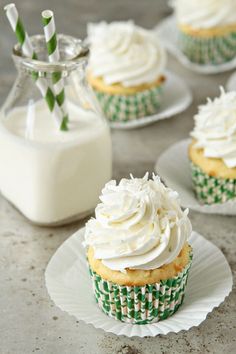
[208, 50]
[141, 304]
[212, 190]
[123, 108]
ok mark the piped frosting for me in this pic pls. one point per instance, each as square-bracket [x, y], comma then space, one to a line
[124, 53]
[205, 13]
[139, 224]
[215, 128]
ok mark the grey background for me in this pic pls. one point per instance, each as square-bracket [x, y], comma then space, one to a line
[29, 322]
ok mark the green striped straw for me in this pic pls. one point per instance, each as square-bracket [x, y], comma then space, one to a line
[54, 56]
[28, 51]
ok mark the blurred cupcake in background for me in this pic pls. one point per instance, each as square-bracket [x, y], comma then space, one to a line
[213, 150]
[138, 251]
[207, 30]
[125, 70]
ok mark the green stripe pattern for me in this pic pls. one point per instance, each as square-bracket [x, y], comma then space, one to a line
[51, 38]
[54, 56]
[20, 32]
[211, 190]
[212, 50]
[50, 99]
[52, 44]
[28, 51]
[140, 304]
[124, 108]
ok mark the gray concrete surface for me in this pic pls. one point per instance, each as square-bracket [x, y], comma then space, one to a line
[29, 322]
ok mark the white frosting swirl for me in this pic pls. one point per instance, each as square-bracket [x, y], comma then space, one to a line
[205, 13]
[139, 224]
[215, 128]
[123, 53]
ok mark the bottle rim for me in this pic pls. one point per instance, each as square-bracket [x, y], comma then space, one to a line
[75, 52]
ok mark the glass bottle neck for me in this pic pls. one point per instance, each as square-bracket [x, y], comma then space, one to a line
[73, 54]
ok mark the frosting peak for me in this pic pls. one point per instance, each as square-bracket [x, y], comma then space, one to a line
[124, 53]
[215, 128]
[205, 13]
[139, 224]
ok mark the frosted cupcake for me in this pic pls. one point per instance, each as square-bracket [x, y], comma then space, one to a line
[138, 251]
[207, 30]
[125, 70]
[213, 150]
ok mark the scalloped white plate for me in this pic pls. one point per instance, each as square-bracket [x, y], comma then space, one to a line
[69, 286]
[168, 34]
[177, 97]
[231, 83]
[173, 167]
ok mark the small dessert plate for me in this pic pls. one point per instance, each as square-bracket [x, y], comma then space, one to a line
[176, 174]
[231, 83]
[168, 34]
[69, 286]
[177, 97]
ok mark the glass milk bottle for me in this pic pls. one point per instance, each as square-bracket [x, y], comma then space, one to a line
[53, 170]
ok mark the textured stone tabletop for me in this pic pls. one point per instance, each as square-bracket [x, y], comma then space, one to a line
[29, 322]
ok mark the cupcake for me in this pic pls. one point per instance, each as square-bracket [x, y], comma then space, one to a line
[125, 70]
[138, 251]
[212, 151]
[207, 30]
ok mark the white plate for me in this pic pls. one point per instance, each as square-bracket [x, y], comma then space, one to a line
[173, 166]
[168, 34]
[69, 286]
[231, 83]
[176, 98]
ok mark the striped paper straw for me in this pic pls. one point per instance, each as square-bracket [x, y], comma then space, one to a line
[54, 56]
[28, 51]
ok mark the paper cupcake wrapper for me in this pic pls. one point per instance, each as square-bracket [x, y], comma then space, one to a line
[177, 175]
[211, 50]
[123, 108]
[231, 83]
[211, 190]
[70, 288]
[140, 304]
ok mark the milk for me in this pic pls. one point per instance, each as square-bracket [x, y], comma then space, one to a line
[49, 175]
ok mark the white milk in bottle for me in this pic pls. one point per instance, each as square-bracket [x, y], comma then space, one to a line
[53, 176]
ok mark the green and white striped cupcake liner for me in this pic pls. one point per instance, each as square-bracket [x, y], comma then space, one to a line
[213, 50]
[123, 108]
[211, 190]
[141, 304]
